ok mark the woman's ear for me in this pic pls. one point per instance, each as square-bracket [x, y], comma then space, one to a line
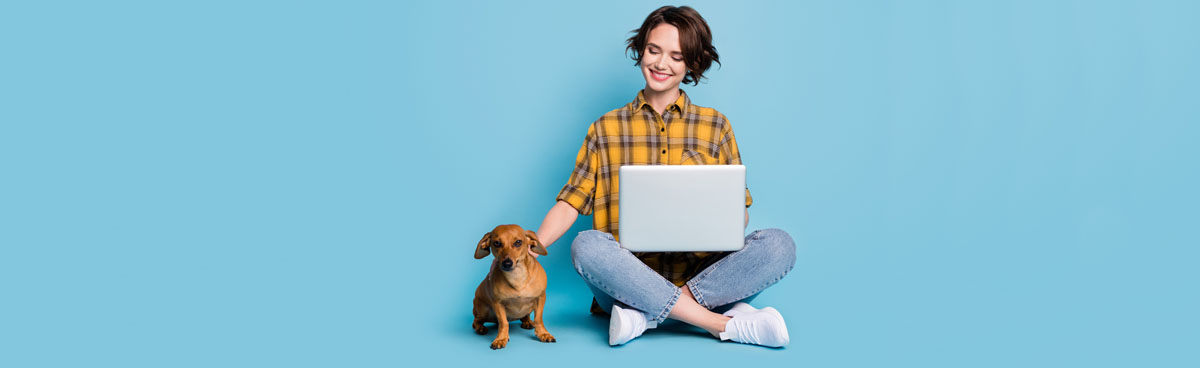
[483, 249]
[534, 243]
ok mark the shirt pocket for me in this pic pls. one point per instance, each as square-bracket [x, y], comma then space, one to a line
[694, 157]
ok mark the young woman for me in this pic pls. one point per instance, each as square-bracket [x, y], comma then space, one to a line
[662, 127]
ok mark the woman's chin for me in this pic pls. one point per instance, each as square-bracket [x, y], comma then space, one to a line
[656, 86]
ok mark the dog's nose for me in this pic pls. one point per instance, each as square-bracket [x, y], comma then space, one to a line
[507, 265]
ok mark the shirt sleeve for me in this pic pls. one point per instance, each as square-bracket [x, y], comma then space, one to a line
[580, 191]
[729, 152]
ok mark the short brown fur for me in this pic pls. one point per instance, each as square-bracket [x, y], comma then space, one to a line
[514, 294]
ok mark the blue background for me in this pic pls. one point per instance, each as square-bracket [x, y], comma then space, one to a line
[985, 183]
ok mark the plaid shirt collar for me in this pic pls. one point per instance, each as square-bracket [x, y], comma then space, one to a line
[680, 105]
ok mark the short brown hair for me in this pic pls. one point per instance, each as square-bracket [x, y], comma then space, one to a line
[695, 39]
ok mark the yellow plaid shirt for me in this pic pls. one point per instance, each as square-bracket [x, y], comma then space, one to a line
[635, 134]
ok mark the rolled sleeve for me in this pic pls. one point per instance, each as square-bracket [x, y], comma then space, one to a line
[580, 190]
[729, 152]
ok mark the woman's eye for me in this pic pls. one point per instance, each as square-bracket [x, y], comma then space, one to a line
[676, 59]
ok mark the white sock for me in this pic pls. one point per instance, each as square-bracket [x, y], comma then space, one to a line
[626, 324]
[740, 308]
[764, 327]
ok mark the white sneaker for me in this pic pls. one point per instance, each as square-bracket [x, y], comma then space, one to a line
[764, 327]
[626, 324]
[740, 308]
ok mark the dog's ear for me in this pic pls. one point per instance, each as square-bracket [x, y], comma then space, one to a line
[534, 243]
[484, 248]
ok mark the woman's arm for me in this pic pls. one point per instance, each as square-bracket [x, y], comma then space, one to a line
[557, 222]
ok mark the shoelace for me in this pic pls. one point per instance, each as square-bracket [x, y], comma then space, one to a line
[746, 331]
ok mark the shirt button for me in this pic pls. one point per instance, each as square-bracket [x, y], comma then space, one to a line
[662, 129]
[664, 152]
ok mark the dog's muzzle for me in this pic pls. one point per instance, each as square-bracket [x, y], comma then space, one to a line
[507, 265]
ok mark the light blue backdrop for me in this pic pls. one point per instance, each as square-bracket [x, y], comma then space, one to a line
[985, 183]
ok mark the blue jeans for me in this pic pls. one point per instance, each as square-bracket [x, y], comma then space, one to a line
[614, 273]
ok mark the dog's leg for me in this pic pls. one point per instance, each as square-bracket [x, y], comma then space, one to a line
[480, 310]
[526, 323]
[477, 324]
[538, 327]
[479, 327]
[502, 325]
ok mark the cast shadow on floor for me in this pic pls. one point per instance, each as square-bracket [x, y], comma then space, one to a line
[584, 327]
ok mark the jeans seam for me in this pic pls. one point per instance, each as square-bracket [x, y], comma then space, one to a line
[704, 274]
[670, 305]
[768, 283]
[699, 298]
[596, 282]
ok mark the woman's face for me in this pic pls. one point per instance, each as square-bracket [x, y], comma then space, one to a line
[662, 60]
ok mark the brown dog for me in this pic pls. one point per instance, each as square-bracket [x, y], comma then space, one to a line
[515, 286]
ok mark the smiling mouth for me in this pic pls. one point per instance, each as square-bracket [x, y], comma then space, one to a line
[658, 76]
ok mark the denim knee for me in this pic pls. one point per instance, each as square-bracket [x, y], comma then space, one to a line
[778, 247]
[587, 247]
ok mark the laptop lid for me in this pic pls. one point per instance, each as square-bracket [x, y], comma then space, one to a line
[682, 208]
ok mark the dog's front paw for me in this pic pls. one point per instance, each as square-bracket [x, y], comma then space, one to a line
[546, 337]
[499, 343]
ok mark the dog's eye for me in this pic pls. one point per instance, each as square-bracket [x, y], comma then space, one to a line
[496, 243]
[517, 243]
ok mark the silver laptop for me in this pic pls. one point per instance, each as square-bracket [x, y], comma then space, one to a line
[682, 208]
